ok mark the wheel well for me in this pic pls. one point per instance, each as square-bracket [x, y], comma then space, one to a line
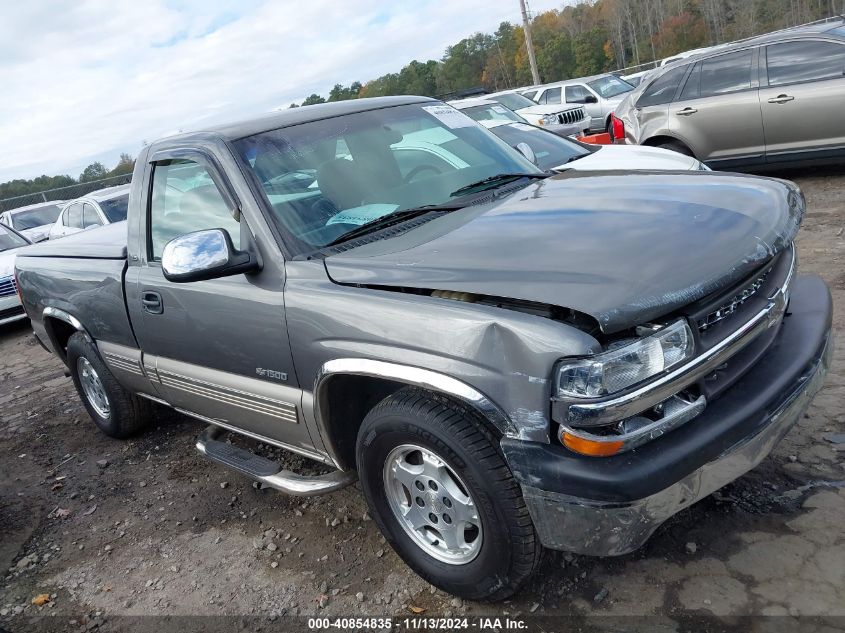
[345, 400]
[655, 141]
[59, 332]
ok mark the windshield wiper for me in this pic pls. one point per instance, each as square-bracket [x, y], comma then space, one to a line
[494, 181]
[390, 218]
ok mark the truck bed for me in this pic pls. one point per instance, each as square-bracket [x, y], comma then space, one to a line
[107, 242]
[81, 275]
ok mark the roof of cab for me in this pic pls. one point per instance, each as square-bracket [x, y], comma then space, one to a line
[295, 116]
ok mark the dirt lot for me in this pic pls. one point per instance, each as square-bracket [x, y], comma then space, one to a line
[146, 527]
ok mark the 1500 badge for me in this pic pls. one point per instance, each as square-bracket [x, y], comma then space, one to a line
[271, 373]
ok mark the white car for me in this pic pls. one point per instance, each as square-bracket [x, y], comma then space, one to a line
[95, 209]
[10, 304]
[33, 221]
[635, 79]
[561, 119]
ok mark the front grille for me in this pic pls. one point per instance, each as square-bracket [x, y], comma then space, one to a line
[732, 304]
[11, 312]
[7, 286]
[571, 116]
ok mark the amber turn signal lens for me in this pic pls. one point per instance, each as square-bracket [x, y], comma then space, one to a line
[590, 447]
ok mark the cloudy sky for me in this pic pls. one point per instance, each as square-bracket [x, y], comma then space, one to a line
[85, 80]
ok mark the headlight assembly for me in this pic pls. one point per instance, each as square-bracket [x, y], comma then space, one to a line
[622, 367]
[548, 119]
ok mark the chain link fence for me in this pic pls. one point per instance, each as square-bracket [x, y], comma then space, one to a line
[63, 193]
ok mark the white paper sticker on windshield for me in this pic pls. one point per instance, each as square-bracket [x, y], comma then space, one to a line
[500, 110]
[523, 126]
[362, 215]
[449, 116]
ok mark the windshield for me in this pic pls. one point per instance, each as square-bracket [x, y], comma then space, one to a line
[32, 218]
[514, 101]
[9, 240]
[492, 113]
[551, 150]
[323, 178]
[610, 86]
[115, 208]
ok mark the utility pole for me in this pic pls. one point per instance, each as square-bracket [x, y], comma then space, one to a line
[529, 45]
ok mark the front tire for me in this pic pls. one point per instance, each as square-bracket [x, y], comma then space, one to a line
[444, 498]
[117, 412]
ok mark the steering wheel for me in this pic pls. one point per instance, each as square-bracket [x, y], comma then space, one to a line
[416, 171]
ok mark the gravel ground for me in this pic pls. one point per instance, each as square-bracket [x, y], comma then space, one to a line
[101, 529]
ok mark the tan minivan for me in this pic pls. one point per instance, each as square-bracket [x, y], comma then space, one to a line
[769, 100]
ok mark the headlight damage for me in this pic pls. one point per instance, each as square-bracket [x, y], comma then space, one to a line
[617, 369]
[624, 365]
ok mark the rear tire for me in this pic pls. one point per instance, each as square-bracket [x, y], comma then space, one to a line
[117, 412]
[677, 146]
[443, 496]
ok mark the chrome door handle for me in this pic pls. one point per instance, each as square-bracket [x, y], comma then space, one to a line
[781, 99]
[686, 112]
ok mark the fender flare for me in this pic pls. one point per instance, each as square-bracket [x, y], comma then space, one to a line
[409, 375]
[60, 315]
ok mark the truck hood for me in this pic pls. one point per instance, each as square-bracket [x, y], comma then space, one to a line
[624, 248]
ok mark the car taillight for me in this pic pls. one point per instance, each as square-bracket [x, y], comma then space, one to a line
[618, 128]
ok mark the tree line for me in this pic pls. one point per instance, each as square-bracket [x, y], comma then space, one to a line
[94, 171]
[591, 37]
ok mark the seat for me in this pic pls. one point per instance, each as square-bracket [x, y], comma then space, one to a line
[345, 183]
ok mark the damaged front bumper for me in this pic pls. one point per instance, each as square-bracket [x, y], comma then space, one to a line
[610, 506]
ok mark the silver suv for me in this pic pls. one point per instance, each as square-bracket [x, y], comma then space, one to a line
[763, 101]
[599, 95]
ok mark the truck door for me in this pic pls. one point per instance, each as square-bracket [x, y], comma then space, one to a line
[217, 348]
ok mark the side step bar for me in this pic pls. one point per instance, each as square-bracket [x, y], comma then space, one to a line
[267, 471]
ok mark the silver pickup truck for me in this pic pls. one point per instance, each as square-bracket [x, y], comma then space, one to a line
[506, 359]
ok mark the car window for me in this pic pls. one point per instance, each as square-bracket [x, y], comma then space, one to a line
[576, 94]
[32, 218]
[552, 95]
[691, 88]
[8, 239]
[185, 199]
[610, 86]
[90, 217]
[514, 101]
[551, 150]
[809, 60]
[530, 94]
[397, 158]
[725, 74]
[115, 208]
[74, 215]
[492, 113]
[662, 90]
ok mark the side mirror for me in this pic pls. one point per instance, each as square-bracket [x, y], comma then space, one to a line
[525, 149]
[204, 255]
[591, 99]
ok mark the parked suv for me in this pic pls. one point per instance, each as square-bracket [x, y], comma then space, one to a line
[599, 95]
[563, 120]
[764, 101]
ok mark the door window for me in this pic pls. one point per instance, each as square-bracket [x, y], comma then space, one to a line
[691, 88]
[74, 216]
[185, 199]
[576, 94]
[552, 95]
[726, 74]
[89, 216]
[662, 90]
[794, 62]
